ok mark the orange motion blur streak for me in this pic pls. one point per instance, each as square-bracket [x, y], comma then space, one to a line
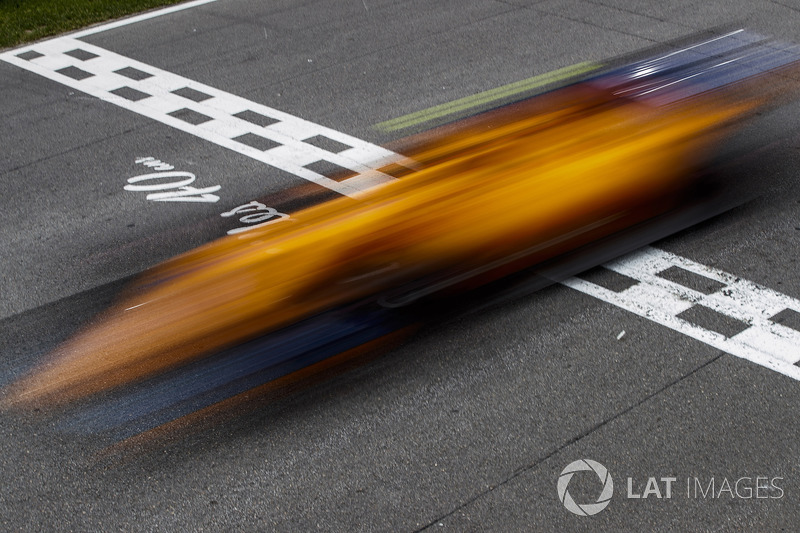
[482, 195]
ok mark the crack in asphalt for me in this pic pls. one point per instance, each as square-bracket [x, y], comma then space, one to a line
[70, 150]
[791, 8]
[522, 470]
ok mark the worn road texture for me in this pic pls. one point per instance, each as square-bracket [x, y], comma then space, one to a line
[466, 425]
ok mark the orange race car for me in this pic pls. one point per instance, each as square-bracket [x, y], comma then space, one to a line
[493, 195]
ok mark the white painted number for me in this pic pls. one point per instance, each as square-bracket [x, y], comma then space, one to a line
[169, 179]
[258, 212]
[189, 178]
[152, 162]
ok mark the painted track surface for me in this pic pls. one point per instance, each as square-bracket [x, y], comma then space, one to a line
[469, 424]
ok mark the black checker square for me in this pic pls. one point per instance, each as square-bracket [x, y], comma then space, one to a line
[330, 170]
[396, 170]
[29, 55]
[131, 94]
[133, 73]
[327, 144]
[608, 279]
[707, 318]
[192, 94]
[256, 141]
[83, 55]
[691, 280]
[256, 118]
[190, 116]
[789, 318]
[75, 73]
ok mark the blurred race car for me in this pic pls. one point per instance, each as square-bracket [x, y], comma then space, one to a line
[484, 198]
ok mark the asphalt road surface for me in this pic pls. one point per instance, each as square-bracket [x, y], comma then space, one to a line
[467, 425]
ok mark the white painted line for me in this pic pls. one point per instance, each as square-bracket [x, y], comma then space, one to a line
[139, 18]
[763, 342]
[251, 129]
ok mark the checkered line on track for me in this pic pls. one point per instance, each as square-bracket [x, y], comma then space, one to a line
[761, 338]
[297, 146]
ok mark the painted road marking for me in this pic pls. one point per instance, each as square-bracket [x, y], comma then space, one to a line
[761, 339]
[485, 97]
[273, 137]
[158, 184]
[255, 216]
[289, 143]
[139, 18]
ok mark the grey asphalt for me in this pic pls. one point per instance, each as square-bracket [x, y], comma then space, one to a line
[468, 424]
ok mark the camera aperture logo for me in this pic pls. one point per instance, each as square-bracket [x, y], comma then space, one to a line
[585, 509]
